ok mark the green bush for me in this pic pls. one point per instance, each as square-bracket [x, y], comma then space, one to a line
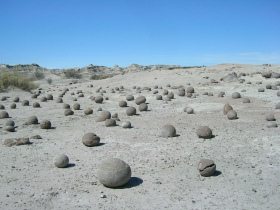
[72, 74]
[39, 75]
[14, 79]
[49, 81]
[99, 77]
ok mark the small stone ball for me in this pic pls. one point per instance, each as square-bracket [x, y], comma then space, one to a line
[158, 97]
[115, 115]
[25, 103]
[110, 122]
[49, 97]
[45, 124]
[227, 108]
[277, 106]
[88, 111]
[114, 173]
[206, 167]
[261, 90]
[221, 94]
[272, 124]
[130, 111]
[90, 140]
[189, 110]
[59, 100]
[170, 95]
[10, 123]
[76, 106]
[232, 115]
[129, 97]
[278, 93]
[181, 92]
[9, 128]
[13, 106]
[140, 99]
[98, 99]
[246, 100]
[32, 120]
[4, 114]
[190, 89]
[61, 161]
[270, 117]
[168, 131]
[126, 124]
[68, 112]
[4, 98]
[66, 106]
[104, 115]
[165, 92]
[235, 95]
[16, 99]
[122, 104]
[43, 99]
[268, 86]
[2, 106]
[143, 107]
[155, 91]
[36, 105]
[204, 132]
[99, 109]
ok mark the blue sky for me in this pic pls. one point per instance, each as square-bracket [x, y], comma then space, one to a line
[67, 33]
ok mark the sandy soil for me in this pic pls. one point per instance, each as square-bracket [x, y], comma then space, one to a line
[164, 171]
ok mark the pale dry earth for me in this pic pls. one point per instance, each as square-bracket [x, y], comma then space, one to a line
[164, 171]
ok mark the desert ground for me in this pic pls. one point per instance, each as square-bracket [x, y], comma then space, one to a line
[246, 150]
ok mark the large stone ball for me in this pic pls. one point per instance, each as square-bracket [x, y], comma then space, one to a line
[91, 140]
[104, 115]
[143, 107]
[98, 99]
[122, 103]
[235, 95]
[204, 132]
[4, 114]
[206, 167]
[45, 124]
[88, 111]
[32, 120]
[114, 172]
[61, 161]
[227, 108]
[129, 97]
[110, 122]
[168, 131]
[140, 99]
[232, 115]
[130, 111]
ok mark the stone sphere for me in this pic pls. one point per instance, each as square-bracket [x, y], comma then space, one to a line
[189, 110]
[190, 90]
[165, 92]
[204, 132]
[129, 97]
[268, 86]
[277, 106]
[221, 94]
[261, 90]
[25, 103]
[10, 123]
[114, 172]
[88, 111]
[232, 115]
[76, 106]
[158, 97]
[59, 100]
[278, 93]
[170, 95]
[206, 167]
[43, 99]
[140, 99]
[168, 131]
[98, 99]
[49, 97]
[4, 114]
[122, 104]
[235, 95]
[90, 140]
[270, 117]
[246, 100]
[36, 105]
[227, 108]
[66, 106]
[130, 111]
[68, 112]
[126, 124]
[13, 106]
[143, 107]
[45, 124]
[104, 115]
[181, 92]
[2, 106]
[32, 120]
[16, 99]
[110, 122]
[61, 161]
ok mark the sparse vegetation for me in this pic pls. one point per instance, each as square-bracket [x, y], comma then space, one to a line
[14, 79]
[72, 73]
[100, 76]
[49, 81]
[39, 75]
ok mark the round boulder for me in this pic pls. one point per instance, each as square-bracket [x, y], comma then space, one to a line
[168, 131]
[90, 140]
[204, 132]
[45, 124]
[61, 161]
[206, 167]
[130, 111]
[140, 99]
